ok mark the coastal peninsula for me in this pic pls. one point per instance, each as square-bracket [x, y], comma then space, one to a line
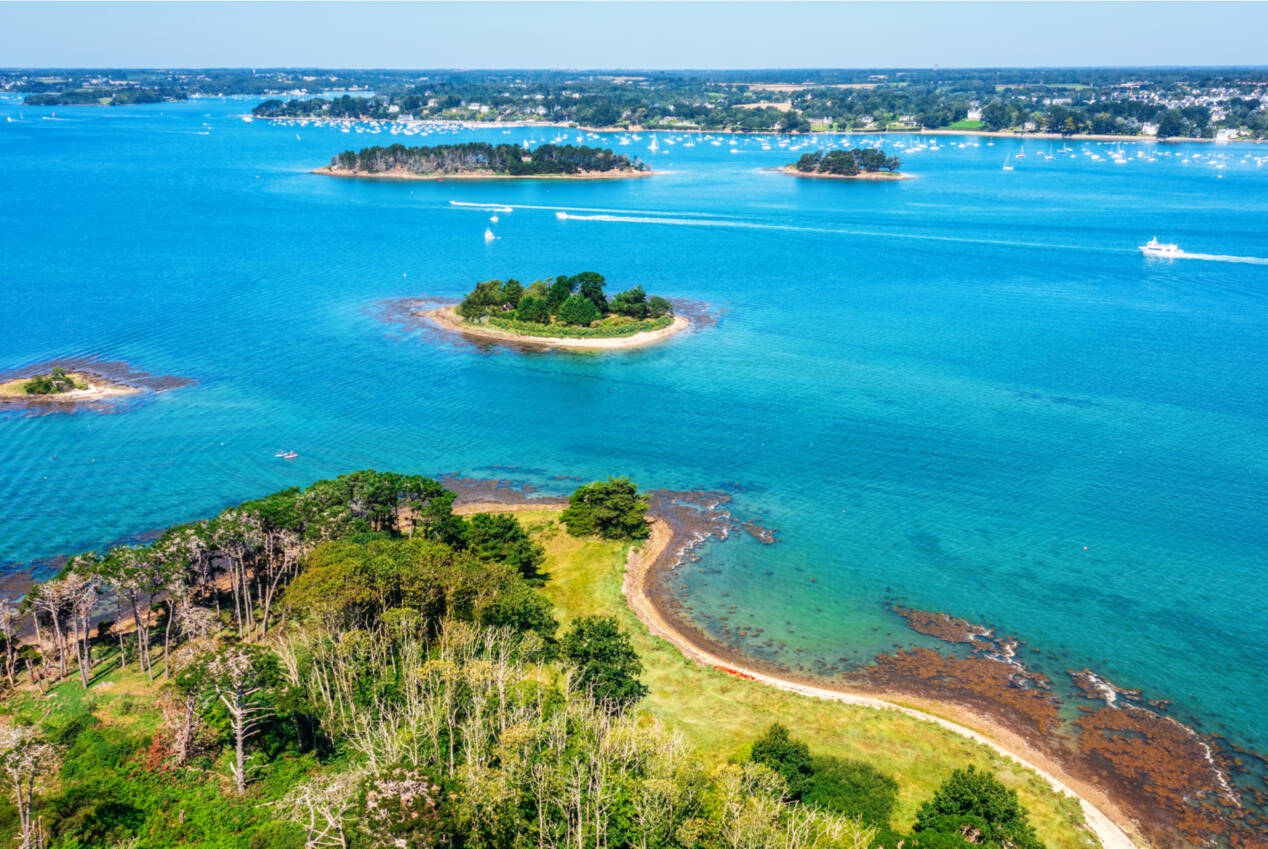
[475, 627]
[563, 312]
[477, 160]
[857, 164]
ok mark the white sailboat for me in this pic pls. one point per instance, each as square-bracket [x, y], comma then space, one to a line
[488, 235]
[1008, 166]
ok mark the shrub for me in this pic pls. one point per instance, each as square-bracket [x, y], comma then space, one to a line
[533, 309]
[789, 758]
[852, 787]
[599, 331]
[578, 309]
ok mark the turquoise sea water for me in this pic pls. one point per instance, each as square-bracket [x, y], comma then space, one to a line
[939, 391]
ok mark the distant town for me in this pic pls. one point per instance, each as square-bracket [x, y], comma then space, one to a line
[1204, 103]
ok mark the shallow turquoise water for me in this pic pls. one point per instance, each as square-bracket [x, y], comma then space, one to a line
[938, 391]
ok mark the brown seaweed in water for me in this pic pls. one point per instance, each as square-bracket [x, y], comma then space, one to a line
[1171, 779]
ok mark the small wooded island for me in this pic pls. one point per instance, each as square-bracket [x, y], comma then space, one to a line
[480, 160]
[857, 164]
[563, 312]
[62, 385]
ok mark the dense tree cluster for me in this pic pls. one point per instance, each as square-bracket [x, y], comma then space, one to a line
[344, 106]
[56, 381]
[577, 300]
[478, 157]
[110, 96]
[847, 162]
[612, 509]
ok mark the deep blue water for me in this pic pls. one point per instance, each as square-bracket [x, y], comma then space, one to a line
[938, 391]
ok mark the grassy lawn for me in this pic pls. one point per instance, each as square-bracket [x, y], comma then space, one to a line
[720, 715]
[966, 124]
[123, 699]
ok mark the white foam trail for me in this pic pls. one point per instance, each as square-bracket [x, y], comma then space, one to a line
[1253, 260]
[754, 225]
[566, 208]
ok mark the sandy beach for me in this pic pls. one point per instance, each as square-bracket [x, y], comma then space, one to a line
[883, 176]
[409, 175]
[447, 319]
[1105, 820]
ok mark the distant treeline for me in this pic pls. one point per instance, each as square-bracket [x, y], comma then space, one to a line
[847, 162]
[1169, 103]
[112, 97]
[478, 157]
[344, 106]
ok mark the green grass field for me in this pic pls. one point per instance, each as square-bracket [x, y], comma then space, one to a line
[964, 125]
[720, 714]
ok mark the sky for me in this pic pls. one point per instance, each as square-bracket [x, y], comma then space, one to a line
[652, 35]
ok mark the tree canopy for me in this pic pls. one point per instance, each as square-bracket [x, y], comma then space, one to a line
[611, 509]
[55, 382]
[604, 662]
[480, 157]
[847, 162]
[973, 807]
[576, 301]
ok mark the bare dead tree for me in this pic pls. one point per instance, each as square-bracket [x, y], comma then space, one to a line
[322, 806]
[279, 565]
[9, 619]
[237, 682]
[81, 591]
[52, 599]
[24, 757]
[237, 536]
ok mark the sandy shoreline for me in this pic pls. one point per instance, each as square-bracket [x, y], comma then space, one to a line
[883, 176]
[437, 178]
[1108, 827]
[447, 319]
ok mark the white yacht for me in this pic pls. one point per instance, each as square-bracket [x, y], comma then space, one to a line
[1156, 248]
[489, 237]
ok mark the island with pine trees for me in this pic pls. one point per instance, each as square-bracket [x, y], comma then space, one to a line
[861, 163]
[561, 312]
[479, 160]
[58, 385]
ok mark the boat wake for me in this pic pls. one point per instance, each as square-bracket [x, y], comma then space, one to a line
[1252, 260]
[757, 225]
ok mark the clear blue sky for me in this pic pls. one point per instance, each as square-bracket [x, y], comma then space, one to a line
[631, 35]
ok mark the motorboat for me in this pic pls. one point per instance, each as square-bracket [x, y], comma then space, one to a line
[1156, 248]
